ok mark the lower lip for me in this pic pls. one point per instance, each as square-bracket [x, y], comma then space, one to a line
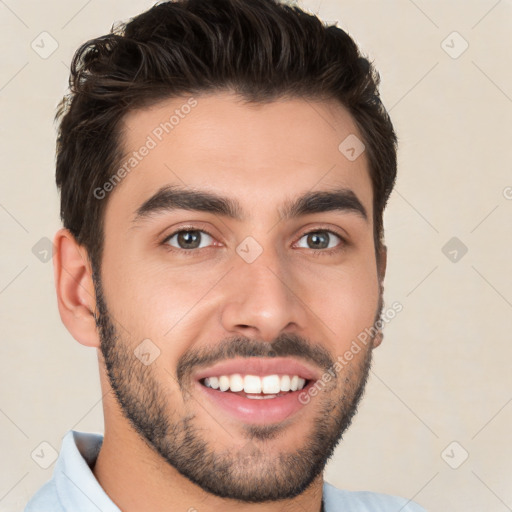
[260, 412]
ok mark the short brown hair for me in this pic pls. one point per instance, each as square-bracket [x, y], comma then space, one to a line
[260, 49]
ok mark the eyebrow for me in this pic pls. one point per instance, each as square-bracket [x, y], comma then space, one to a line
[171, 198]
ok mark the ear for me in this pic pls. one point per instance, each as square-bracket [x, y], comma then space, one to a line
[378, 339]
[75, 289]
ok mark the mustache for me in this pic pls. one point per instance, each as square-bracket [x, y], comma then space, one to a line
[285, 345]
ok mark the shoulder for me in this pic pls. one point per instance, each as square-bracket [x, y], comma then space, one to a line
[46, 498]
[337, 500]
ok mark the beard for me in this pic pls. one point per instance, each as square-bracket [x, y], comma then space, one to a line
[256, 472]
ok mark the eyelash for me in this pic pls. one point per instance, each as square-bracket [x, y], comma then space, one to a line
[315, 252]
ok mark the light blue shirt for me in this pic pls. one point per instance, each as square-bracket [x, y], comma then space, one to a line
[74, 488]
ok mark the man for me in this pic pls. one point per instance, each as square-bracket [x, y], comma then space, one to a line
[223, 167]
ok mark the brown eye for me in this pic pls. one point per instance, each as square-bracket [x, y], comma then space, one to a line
[319, 240]
[189, 239]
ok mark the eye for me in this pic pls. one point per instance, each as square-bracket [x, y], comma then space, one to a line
[187, 239]
[321, 239]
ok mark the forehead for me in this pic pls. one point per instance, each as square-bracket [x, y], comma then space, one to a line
[263, 153]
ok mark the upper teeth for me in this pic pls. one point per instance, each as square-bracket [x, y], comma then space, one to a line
[269, 384]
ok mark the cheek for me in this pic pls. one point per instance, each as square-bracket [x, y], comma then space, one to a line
[345, 300]
[152, 300]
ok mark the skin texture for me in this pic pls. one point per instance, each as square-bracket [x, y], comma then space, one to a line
[300, 302]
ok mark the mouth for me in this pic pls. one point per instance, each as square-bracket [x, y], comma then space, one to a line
[256, 387]
[256, 390]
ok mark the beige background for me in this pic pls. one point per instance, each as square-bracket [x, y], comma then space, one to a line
[443, 372]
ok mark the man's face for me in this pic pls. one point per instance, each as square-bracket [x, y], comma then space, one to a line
[252, 289]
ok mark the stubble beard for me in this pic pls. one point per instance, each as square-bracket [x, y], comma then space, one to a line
[257, 472]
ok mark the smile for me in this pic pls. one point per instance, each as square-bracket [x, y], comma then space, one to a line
[256, 390]
[254, 386]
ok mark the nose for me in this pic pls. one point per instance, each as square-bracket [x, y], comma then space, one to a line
[260, 301]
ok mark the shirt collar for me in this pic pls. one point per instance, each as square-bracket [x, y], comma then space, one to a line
[76, 484]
